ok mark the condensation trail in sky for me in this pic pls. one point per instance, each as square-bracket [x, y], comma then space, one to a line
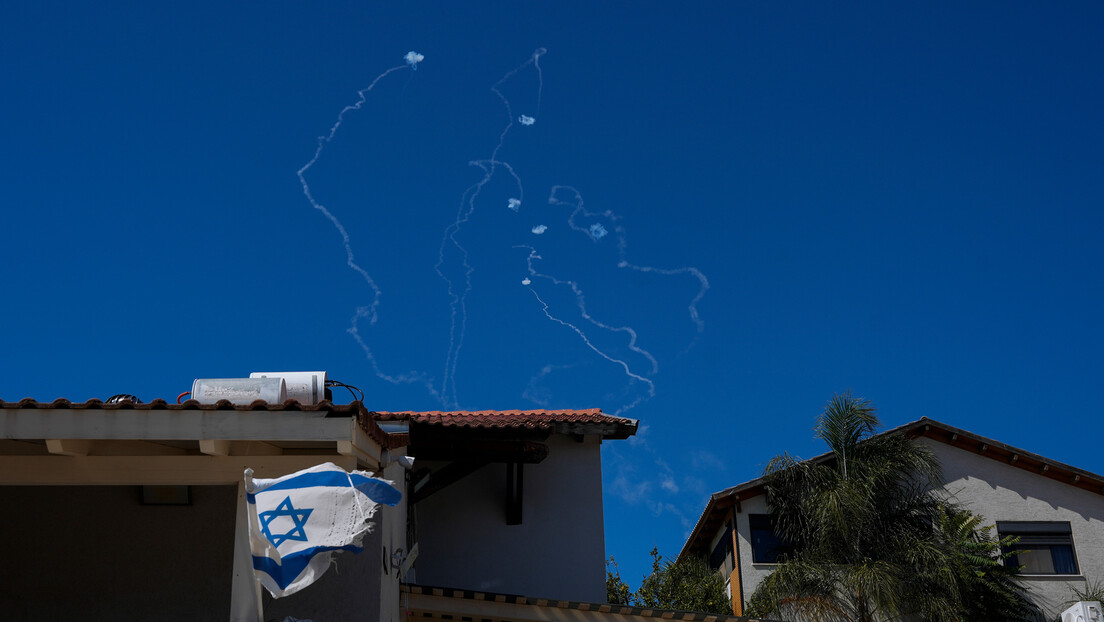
[605, 356]
[369, 312]
[450, 241]
[460, 285]
[569, 197]
[577, 219]
[581, 302]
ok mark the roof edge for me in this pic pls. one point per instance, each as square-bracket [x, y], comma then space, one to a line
[924, 427]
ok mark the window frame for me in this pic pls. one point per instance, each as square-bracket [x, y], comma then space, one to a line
[1039, 536]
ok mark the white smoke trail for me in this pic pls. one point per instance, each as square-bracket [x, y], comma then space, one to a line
[458, 294]
[370, 311]
[580, 301]
[579, 210]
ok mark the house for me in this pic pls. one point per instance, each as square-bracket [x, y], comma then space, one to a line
[1056, 510]
[128, 511]
[507, 511]
[136, 510]
[510, 501]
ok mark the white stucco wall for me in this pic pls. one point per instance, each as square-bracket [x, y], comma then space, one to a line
[558, 551]
[751, 574]
[392, 531]
[1001, 492]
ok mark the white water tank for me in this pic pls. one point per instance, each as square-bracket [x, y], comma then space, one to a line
[1084, 611]
[308, 387]
[239, 390]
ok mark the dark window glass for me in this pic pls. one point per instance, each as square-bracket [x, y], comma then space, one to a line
[721, 551]
[1044, 548]
[766, 546]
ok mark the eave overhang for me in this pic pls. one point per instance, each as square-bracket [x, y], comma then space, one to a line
[61, 443]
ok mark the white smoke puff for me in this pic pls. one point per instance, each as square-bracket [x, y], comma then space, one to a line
[412, 58]
[539, 229]
[525, 281]
[597, 231]
[513, 204]
[526, 120]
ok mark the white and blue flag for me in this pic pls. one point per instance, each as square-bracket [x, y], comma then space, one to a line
[298, 521]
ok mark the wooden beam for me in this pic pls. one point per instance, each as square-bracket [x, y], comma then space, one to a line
[68, 446]
[213, 447]
[515, 487]
[152, 470]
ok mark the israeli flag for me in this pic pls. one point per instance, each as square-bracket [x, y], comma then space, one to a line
[297, 522]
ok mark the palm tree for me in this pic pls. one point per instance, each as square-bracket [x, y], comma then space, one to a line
[863, 527]
[989, 589]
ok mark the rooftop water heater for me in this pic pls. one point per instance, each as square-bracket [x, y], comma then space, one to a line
[239, 390]
[308, 387]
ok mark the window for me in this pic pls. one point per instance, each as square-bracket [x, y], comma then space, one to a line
[722, 553]
[1044, 548]
[766, 546]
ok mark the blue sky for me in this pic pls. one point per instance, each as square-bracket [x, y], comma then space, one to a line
[900, 200]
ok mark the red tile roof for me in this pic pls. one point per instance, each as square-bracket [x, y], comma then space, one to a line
[563, 421]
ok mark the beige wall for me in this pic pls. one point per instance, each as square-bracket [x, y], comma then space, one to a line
[1001, 492]
[557, 552]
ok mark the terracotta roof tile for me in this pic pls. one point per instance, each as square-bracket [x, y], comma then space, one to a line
[556, 420]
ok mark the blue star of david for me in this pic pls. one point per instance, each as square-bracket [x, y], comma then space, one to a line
[286, 509]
